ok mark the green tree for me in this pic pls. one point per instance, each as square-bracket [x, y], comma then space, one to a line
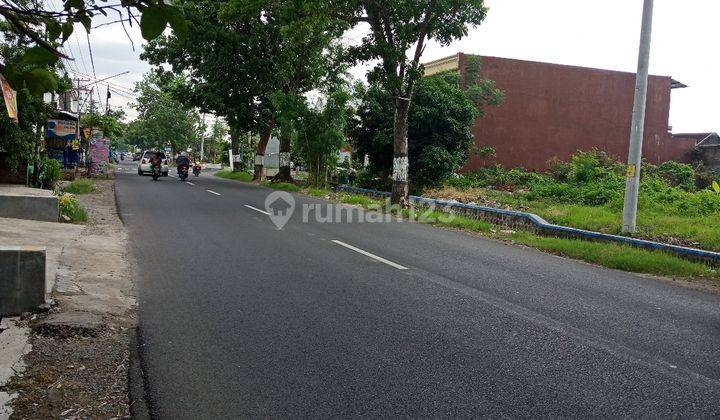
[439, 125]
[216, 141]
[321, 134]
[111, 123]
[397, 27]
[162, 121]
[19, 140]
[217, 66]
[252, 61]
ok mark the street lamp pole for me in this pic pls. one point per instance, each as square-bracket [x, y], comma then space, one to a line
[632, 175]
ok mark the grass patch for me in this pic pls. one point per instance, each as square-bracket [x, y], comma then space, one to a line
[655, 222]
[621, 257]
[70, 207]
[361, 200]
[318, 192]
[238, 176]
[611, 255]
[282, 186]
[80, 186]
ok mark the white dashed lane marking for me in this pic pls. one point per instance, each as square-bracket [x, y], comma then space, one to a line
[371, 255]
[257, 209]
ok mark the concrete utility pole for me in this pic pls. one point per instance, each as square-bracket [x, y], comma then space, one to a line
[632, 175]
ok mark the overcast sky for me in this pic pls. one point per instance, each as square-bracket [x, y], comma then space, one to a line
[594, 33]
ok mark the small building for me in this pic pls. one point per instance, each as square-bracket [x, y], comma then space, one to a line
[707, 146]
[553, 110]
[61, 142]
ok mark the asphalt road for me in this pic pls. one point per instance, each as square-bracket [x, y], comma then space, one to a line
[240, 319]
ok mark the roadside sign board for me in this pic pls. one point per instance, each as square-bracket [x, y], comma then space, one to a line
[99, 155]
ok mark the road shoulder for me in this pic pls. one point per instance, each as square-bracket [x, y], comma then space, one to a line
[80, 358]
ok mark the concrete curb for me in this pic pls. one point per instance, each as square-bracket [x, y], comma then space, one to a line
[536, 224]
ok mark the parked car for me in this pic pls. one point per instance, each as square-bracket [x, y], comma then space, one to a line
[144, 166]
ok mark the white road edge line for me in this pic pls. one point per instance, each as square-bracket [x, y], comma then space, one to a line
[257, 209]
[213, 192]
[189, 183]
[368, 254]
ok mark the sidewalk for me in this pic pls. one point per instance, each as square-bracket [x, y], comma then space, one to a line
[78, 365]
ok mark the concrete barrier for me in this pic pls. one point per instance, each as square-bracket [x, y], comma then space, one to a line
[22, 279]
[536, 224]
[20, 202]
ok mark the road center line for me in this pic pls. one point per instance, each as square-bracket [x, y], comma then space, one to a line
[213, 192]
[257, 209]
[368, 254]
[189, 183]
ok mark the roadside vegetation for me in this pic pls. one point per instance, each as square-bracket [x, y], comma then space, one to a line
[617, 256]
[238, 176]
[80, 186]
[677, 204]
[70, 208]
[602, 217]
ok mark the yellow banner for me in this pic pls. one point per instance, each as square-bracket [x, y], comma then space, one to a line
[10, 97]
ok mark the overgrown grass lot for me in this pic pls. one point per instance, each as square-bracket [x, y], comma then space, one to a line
[676, 204]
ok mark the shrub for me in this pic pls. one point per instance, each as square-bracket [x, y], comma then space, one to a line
[374, 180]
[70, 207]
[50, 173]
[558, 169]
[677, 174]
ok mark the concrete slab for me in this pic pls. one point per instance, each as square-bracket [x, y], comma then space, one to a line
[53, 236]
[21, 202]
[22, 279]
[68, 324]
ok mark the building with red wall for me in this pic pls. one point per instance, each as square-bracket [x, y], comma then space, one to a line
[553, 110]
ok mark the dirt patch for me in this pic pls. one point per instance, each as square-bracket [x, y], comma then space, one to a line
[74, 378]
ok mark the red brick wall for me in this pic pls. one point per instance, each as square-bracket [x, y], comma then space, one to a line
[554, 110]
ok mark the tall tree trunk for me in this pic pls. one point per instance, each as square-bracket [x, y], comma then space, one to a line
[234, 147]
[259, 174]
[400, 153]
[284, 174]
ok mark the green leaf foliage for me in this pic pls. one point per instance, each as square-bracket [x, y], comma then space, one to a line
[38, 56]
[39, 81]
[153, 21]
[177, 22]
[439, 125]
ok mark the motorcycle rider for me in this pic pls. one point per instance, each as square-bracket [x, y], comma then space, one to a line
[181, 161]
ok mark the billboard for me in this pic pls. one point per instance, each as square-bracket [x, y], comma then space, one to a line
[99, 155]
[61, 132]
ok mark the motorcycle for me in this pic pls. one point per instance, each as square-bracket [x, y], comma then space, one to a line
[156, 172]
[196, 169]
[183, 172]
